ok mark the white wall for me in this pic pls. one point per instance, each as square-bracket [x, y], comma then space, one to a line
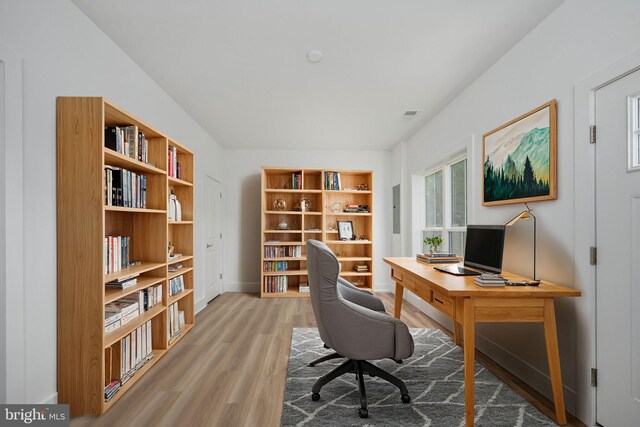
[581, 36]
[242, 206]
[64, 53]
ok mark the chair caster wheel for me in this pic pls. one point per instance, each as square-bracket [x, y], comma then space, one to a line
[315, 396]
[406, 398]
[363, 413]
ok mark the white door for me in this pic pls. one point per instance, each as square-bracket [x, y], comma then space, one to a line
[618, 266]
[213, 236]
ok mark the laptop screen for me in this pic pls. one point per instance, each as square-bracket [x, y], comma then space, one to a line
[484, 247]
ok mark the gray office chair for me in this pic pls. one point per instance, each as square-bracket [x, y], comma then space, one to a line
[354, 331]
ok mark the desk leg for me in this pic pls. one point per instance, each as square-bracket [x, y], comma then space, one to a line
[469, 360]
[397, 308]
[457, 333]
[553, 356]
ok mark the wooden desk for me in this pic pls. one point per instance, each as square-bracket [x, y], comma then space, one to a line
[467, 303]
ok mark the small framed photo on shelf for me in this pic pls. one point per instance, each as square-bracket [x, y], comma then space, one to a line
[345, 230]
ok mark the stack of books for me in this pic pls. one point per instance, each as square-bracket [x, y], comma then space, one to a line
[489, 280]
[361, 268]
[123, 282]
[439, 258]
[304, 287]
[111, 389]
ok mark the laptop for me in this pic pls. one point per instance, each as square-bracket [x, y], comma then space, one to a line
[483, 251]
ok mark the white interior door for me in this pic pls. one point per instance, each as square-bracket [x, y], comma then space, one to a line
[618, 242]
[213, 236]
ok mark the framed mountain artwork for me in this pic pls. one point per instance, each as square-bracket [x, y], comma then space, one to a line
[519, 159]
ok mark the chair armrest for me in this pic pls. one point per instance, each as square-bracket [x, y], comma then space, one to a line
[358, 296]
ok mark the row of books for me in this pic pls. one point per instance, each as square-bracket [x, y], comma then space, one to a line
[122, 311]
[176, 285]
[174, 168]
[275, 266]
[111, 389]
[489, 280]
[439, 258]
[176, 322]
[296, 181]
[293, 251]
[274, 284]
[127, 140]
[124, 188]
[332, 181]
[136, 349]
[116, 253]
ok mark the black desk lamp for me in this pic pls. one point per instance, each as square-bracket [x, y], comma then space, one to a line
[527, 215]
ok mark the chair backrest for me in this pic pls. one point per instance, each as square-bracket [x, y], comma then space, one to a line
[323, 269]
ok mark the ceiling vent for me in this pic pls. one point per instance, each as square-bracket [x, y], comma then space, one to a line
[409, 114]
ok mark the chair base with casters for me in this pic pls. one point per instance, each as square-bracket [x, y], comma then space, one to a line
[359, 367]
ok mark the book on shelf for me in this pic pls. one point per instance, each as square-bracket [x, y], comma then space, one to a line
[428, 258]
[293, 251]
[361, 268]
[332, 181]
[173, 326]
[124, 188]
[296, 181]
[111, 389]
[176, 285]
[303, 287]
[122, 284]
[275, 284]
[175, 267]
[275, 266]
[127, 140]
[174, 167]
[135, 351]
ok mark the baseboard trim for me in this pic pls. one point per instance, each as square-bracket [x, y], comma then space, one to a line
[200, 305]
[531, 375]
[242, 287]
[384, 287]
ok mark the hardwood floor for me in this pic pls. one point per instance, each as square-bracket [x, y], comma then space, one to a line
[231, 368]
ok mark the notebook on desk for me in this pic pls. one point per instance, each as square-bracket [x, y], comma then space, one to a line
[483, 251]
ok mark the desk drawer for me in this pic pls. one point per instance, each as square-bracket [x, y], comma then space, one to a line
[442, 303]
[424, 292]
[396, 274]
[409, 283]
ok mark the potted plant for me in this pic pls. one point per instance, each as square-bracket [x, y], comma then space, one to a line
[434, 243]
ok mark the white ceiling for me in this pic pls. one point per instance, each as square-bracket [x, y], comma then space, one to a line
[239, 67]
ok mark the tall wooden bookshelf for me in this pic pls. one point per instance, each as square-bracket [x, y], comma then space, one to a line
[302, 204]
[88, 358]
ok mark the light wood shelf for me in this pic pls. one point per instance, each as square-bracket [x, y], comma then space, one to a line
[179, 259]
[179, 272]
[144, 282]
[124, 330]
[276, 187]
[86, 355]
[178, 297]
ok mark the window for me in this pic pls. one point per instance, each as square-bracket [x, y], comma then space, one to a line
[445, 205]
[634, 132]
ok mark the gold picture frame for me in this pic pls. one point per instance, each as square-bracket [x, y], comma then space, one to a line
[519, 159]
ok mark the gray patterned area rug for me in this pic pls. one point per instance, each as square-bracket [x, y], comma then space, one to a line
[434, 376]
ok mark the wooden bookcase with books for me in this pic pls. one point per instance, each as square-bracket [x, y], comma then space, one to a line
[302, 204]
[114, 267]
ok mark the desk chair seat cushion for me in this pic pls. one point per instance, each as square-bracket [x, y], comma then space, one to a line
[354, 331]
